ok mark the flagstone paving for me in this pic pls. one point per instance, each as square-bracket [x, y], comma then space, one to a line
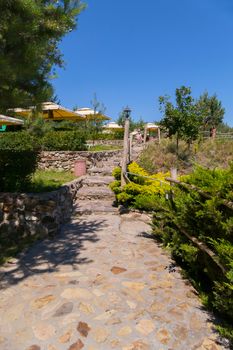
[100, 284]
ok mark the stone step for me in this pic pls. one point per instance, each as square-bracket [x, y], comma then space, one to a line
[101, 171]
[95, 192]
[95, 206]
[91, 181]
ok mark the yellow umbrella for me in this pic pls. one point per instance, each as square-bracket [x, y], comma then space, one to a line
[90, 114]
[51, 111]
[4, 120]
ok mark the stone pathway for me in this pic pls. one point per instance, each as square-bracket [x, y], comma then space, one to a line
[101, 284]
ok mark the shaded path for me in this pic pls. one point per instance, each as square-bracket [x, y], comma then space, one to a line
[100, 284]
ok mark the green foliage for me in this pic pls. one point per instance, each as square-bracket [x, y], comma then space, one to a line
[64, 141]
[182, 119]
[210, 109]
[145, 202]
[141, 188]
[30, 34]
[18, 160]
[208, 220]
[117, 173]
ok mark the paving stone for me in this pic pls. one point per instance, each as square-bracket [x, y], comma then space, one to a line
[76, 293]
[100, 334]
[64, 309]
[65, 338]
[145, 327]
[163, 336]
[124, 331]
[116, 270]
[41, 302]
[86, 308]
[83, 329]
[77, 346]
[43, 331]
[34, 347]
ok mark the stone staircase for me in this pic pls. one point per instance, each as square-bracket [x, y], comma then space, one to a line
[95, 195]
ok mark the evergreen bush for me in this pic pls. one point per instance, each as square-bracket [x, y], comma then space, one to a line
[64, 141]
[18, 160]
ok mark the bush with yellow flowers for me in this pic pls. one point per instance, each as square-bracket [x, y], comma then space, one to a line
[142, 188]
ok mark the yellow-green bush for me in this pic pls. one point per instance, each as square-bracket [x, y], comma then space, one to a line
[142, 184]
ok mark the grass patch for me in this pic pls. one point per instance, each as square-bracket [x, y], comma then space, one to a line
[49, 180]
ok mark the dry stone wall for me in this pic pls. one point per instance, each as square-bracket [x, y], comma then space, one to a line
[26, 214]
[65, 160]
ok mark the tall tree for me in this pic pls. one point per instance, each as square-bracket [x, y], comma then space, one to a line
[30, 32]
[210, 108]
[181, 119]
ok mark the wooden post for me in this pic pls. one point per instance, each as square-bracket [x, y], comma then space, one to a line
[125, 152]
[145, 135]
[130, 146]
[159, 135]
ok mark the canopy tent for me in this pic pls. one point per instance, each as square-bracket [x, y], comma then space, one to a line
[4, 120]
[50, 111]
[91, 114]
[151, 127]
[113, 126]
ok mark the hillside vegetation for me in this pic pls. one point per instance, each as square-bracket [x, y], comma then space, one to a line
[210, 154]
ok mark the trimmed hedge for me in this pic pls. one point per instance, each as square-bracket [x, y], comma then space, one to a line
[64, 141]
[18, 160]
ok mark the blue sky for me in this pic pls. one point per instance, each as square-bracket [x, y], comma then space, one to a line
[129, 52]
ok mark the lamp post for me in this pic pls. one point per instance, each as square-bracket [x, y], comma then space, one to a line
[126, 112]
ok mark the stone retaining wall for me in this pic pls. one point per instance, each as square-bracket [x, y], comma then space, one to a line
[106, 142]
[26, 214]
[65, 160]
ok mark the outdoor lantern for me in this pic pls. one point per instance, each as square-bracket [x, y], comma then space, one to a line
[127, 112]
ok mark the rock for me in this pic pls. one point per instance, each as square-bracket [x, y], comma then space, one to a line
[145, 327]
[131, 304]
[117, 270]
[34, 347]
[100, 335]
[41, 302]
[86, 308]
[52, 347]
[195, 322]
[77, 346]
[124, 331]
[43, 331]
[137, 345]
[65, 337]
[83, 329]
[76, 293]
[209, 344]
[137, 286]
[64, 309]
[113, 321]
[163, 336]
[106, 315]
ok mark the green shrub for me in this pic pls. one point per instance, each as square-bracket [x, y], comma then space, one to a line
[145, 202]
[208, 220]
[18, 160]
[117, 173]
[64, 141]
